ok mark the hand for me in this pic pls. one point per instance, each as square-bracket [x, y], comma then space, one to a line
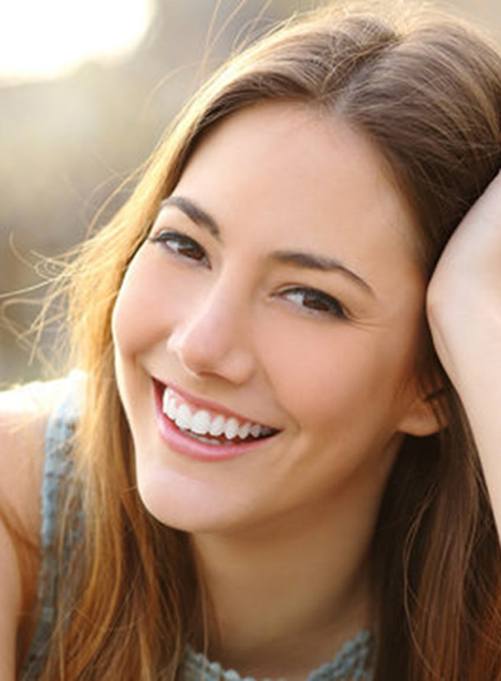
[464, 294]
[464, 312]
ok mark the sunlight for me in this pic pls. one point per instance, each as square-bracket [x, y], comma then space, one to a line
[49, 38]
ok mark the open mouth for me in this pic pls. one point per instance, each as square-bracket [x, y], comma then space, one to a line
[206, 426]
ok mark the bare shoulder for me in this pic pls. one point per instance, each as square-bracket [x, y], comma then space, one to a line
[24, 412]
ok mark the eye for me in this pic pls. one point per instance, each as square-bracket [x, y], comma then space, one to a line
[315, 302]
[181, 245]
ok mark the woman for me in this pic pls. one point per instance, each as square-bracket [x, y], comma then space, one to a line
[270, 465]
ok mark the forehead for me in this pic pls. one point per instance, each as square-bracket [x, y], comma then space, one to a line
[285, 171]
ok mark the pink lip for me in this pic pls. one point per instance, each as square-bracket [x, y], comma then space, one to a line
[182, 443]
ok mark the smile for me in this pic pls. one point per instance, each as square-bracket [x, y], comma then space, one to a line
[205, 433]
[203, 422]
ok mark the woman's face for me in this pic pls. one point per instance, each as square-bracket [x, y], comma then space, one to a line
[278, 288]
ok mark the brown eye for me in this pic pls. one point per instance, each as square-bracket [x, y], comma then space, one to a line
[182, 245]
[315, 301]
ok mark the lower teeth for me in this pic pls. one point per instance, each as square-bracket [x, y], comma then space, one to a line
[214, 441]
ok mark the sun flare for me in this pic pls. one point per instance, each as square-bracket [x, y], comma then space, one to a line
[42, 40]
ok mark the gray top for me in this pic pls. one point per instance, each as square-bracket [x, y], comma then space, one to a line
[349, 664]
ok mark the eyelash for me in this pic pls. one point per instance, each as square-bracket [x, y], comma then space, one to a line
[167, 238]
[323, 303]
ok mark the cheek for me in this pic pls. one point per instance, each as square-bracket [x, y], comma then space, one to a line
[153, 298]
[138, 318]
[342, 377]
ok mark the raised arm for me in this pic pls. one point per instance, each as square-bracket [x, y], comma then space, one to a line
[464, 311]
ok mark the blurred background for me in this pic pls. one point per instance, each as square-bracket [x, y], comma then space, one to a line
[86, 89]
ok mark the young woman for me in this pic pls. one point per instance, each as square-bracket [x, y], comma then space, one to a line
[262, 461]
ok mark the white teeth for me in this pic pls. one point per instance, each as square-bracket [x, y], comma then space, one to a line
[255, 430]
[183, 418]
[244, 431]
[166, 398]
[217, 426]
[169, 405]
[200, 423]
[171, 408]
[231, 428]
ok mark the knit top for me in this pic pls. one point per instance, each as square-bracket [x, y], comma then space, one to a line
[350, 663]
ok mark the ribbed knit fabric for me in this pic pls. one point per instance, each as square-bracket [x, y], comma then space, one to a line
[351, 663]
[57, 468]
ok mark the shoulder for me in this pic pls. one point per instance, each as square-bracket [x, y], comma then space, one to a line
[24, 414]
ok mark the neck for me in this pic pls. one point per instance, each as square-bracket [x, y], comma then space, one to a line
[297, 585]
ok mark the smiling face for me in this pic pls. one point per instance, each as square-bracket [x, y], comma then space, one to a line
[278, 285]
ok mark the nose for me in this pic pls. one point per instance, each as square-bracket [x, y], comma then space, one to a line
[211, 337]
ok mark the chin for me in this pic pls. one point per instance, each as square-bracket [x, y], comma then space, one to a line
[193, 506]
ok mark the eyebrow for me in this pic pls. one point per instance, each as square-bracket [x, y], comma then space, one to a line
[194, 212]
[303, 260]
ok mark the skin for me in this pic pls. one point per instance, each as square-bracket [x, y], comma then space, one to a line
[462, 301]
[464, 313]
[24, 412]
[297, 515]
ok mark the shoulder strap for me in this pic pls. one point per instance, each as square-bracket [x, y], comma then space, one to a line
[57, 469]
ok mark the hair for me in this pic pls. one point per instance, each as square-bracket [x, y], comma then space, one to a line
[425, 90]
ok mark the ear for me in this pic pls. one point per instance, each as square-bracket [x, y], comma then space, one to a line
[423, 415]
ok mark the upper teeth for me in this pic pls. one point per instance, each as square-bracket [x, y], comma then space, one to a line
[203, 422]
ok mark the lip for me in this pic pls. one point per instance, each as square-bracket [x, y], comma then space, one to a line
[184, 444]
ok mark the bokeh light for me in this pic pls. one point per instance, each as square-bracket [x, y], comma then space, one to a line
[43, 39]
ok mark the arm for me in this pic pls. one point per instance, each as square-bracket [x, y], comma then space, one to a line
[23, 417]
[464, 312]
[10, 604]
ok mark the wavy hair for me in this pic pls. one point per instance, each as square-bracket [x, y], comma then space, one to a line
[426, 91]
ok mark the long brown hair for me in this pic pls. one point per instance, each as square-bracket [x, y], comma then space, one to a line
[427, 93]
